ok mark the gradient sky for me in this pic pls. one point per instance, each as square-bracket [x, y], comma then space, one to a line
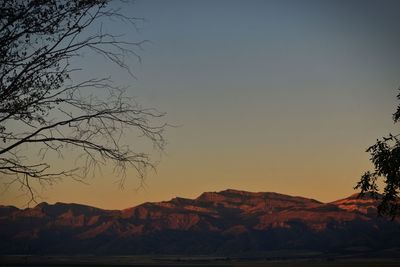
[280, 96]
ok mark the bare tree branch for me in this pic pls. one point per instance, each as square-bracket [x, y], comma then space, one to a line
[41, 106]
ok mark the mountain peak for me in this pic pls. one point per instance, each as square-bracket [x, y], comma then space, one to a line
[366, 195]
[365, 203]
[41, 205]
[236, 192]
[228, 194]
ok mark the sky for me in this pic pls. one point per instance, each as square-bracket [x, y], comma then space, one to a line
[274, 96]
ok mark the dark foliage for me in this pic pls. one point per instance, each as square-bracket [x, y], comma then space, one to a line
[385, 155]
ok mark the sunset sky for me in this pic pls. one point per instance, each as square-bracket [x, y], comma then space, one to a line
[281, 96]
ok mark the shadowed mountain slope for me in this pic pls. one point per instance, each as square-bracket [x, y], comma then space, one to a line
[229, 222]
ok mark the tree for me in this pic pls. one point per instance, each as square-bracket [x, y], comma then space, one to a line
[385, 155]
[43, 109]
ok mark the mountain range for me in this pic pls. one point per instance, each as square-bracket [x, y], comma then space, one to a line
[229, 222]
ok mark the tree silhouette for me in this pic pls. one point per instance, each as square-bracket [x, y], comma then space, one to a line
[42, 108]
[385, 155]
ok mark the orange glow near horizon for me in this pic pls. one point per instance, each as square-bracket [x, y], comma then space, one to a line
[286, 99]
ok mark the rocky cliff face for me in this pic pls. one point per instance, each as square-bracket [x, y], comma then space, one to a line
[226, 222]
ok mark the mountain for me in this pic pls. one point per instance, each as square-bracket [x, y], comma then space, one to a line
[229, 222]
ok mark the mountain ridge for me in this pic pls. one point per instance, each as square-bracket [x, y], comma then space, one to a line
[354, 195]
[226, 222]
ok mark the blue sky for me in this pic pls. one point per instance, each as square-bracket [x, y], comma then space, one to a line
[278, 96]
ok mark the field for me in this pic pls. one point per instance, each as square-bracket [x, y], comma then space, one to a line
[168, 261]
